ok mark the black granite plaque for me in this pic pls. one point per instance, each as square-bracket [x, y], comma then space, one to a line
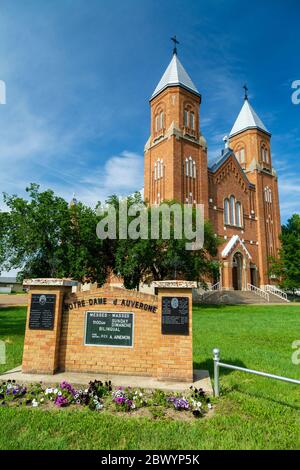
[109, 329]
[175, 316]
[42, 310]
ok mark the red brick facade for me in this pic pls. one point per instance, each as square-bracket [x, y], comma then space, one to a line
[243, 180]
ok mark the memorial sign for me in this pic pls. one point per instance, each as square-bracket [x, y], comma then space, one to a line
[109, 329]
[175, 316]
[42, 308]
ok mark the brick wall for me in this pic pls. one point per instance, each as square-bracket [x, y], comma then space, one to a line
[152, 354]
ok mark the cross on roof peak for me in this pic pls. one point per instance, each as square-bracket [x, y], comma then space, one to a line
[175, 41]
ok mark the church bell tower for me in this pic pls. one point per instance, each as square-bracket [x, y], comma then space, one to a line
[251, 143]
[175, 164]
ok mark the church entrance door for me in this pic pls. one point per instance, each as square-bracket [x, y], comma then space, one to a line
[237, 271]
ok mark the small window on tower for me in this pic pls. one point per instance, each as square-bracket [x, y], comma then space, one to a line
[161, 120]
[186, 118]
[192, 120]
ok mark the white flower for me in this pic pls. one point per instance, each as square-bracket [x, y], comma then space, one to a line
[133, 406]
[55, 391]
[34, 403]
[141, 394]
[199, 404]
[209, 406]
[76, 396]
[9, 386]
[59, 394]
[99, 406]
[86, 390]
[41, 400]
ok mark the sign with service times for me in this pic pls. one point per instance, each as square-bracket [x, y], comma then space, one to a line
[109, 329]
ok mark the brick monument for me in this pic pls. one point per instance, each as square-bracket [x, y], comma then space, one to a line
[109, 330]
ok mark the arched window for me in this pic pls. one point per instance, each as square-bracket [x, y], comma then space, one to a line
[186, 118]
[162, 120]
[264, 154]
[240, 155]
[191, 167]
[226, 212]
[232, 210]
[192, 120]
[268, 194]
[159, 120]
[158, 169]
[238, 212]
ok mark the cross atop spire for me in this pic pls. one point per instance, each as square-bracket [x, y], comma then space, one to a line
[174, 39]
[246, 91]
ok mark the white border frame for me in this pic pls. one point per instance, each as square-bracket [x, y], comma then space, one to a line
[106, 345]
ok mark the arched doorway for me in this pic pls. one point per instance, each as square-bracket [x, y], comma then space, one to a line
[237, 271]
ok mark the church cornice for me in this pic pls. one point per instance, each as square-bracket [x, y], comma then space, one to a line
[179, 134]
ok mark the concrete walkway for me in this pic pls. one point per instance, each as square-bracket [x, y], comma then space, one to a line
[13, 300]
[201, 380]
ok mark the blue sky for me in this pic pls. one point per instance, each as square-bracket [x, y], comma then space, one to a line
[79, 75]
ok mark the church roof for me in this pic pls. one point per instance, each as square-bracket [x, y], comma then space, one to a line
[217, 163]
[231, 244]
[175, 75]
[247, 119]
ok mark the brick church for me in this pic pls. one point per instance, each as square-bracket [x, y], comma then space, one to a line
[239, 191]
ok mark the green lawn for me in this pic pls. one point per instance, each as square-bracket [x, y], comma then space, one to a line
[252, 413]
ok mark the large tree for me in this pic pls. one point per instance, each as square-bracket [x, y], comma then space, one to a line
[43, 236]
[287, 266]
[156, 259]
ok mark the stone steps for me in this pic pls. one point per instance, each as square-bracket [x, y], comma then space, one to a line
[236, 297]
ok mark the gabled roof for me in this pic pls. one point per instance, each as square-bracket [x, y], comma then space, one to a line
[247, 119]
[175, 75]
[214, 166]
[220, 160]
[235, 239]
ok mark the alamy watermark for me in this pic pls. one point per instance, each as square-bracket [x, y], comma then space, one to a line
[165, 222]
[296, 353]
[2, 92]
[2, 352]
[296, 94]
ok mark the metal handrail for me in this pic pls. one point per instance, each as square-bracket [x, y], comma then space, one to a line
[274, 290]
[258, 291]
[218, 364]
[216, 286]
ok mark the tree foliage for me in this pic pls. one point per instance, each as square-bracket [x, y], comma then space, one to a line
[287, 266]
[44, 236]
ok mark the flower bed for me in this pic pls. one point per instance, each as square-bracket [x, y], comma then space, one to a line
[103, 396]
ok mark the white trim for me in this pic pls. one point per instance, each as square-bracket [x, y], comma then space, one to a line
[231, 244]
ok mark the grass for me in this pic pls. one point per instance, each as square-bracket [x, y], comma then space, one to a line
[252, 413]
[12, 327]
